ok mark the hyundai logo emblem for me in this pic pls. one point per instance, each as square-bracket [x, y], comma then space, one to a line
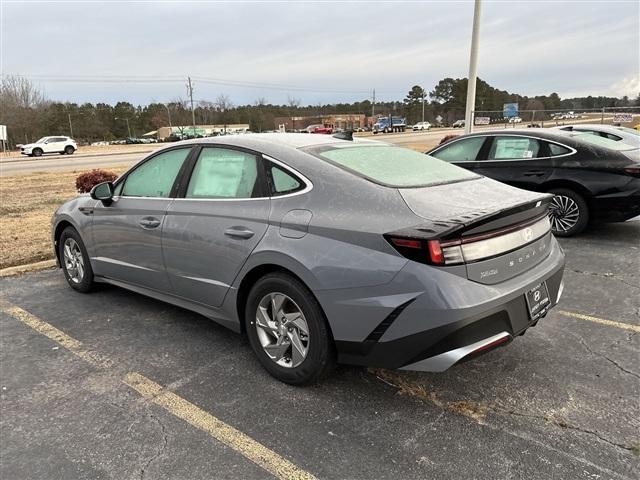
[527, 234]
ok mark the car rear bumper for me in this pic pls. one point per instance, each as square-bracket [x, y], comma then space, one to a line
[439, 327]
[617, 207]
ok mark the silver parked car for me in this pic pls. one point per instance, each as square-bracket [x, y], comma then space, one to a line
[322, 249]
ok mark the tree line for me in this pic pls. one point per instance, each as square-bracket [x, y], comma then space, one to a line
[29, 115]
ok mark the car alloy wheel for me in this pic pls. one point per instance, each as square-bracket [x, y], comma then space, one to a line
[282, 330]
[73, 260]
[564, 213]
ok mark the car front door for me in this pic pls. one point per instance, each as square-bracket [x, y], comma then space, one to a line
[211, 230]
[50, 145]
[519, 161]
[462, 151]
[127, 233]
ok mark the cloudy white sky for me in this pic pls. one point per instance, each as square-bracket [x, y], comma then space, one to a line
[334, 51]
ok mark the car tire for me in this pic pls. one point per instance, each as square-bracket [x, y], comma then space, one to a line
[69, 150]
[75, 262]
[36, 152]
[568, 212]
[286, 295]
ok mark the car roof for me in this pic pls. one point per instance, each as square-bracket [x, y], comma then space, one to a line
[546, 133]
[590, 126]
[258, 141]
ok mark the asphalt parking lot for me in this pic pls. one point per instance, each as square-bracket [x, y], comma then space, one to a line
[114, 385]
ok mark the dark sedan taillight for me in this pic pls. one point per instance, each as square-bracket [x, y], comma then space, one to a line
[633, 170]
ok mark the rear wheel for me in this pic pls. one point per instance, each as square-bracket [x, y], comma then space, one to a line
[287, 330]
[69, 150]
[75, 261]
[568, 212]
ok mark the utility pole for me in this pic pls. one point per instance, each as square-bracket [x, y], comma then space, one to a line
[193, 114]
[423, 106]
[70, 127]
[473, 68]
[373, 104]
[168, 115]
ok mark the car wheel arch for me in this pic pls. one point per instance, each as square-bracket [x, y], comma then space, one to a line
[57, 233]
[254, 274]
[570, 185]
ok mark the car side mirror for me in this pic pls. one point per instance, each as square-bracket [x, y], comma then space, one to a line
[103, 192]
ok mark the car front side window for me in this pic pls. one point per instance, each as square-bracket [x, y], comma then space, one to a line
[225, 173]
[464, 150]
[156, 176]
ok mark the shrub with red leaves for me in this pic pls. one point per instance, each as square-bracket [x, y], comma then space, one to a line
[86, 181]
[446, 138]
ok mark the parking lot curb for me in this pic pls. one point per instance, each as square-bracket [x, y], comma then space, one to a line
[30, 267]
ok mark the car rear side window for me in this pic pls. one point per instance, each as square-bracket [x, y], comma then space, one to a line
[463, 150]
[283, 182]
[224, 173]
[513, 147]
[156, 176]
[390, 165]
[556, 150]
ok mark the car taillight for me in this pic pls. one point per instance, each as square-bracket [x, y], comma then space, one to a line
[634, 171]
[433, 252]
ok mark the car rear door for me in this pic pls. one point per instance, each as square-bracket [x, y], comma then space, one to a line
[520, 161]
[220, 217]
[127, 233]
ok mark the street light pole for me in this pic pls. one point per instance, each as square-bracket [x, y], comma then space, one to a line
[168, 115]
[127, 120]
[473, 67]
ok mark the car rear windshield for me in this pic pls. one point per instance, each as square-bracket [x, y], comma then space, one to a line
[391, 166]
[602, 141]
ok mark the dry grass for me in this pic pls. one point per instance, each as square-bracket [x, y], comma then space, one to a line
[405, 386]
[26, 206]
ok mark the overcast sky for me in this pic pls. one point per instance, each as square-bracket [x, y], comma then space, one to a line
[335, 51]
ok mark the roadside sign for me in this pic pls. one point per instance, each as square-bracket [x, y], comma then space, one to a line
[510, 110]
[622, 118]
[439, 119]
[3, 133]
[482, 120]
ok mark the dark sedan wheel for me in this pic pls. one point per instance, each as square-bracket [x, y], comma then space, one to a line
[287, 330]
[75, 261]
[568, 213]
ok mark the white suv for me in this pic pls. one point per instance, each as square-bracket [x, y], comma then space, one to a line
[421, 126]
[59, 145]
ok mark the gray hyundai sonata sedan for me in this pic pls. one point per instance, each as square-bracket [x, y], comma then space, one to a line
[321, 249]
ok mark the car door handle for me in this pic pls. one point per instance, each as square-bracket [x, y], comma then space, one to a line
[534, 173]
[149, 222]
[239, 232]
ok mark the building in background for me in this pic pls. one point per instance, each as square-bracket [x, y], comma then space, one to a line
[201, 130]
[344, 121]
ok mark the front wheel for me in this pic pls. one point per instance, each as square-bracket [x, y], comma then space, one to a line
[75, 261]
[568, 212]
[287, 330]
[36, 152]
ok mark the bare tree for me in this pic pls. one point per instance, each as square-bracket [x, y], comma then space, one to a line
[24, 108]
[293, 102]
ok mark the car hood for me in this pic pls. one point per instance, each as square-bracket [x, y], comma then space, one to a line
[467, 202]
[29, 145]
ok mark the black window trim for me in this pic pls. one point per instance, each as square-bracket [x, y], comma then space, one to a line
[572, 150]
